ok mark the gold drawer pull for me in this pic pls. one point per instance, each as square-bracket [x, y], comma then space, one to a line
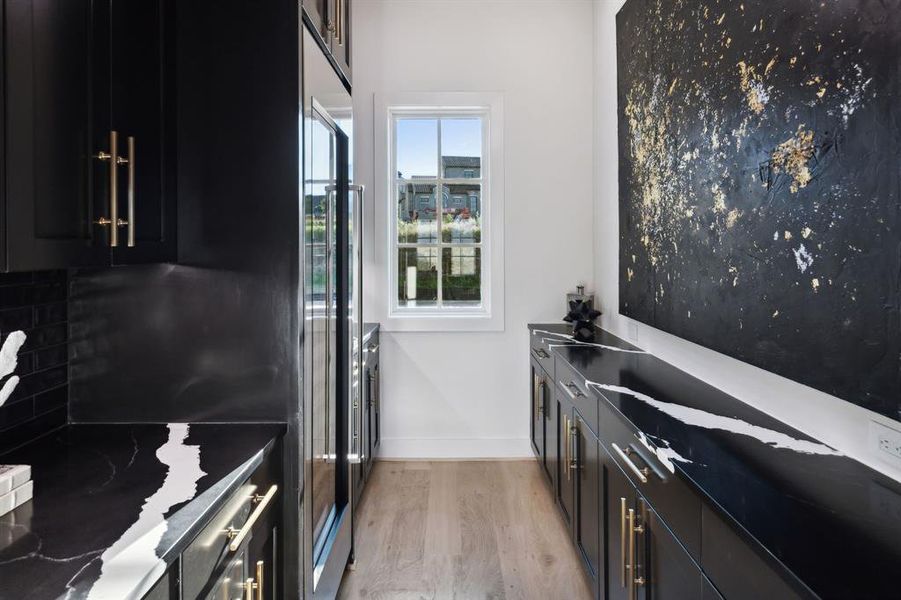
[260, 577]
[249, 586]
[237, 538]
[622, 541]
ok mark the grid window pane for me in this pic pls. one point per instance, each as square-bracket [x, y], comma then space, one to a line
[417, 147]
[461, 280]
[461, 148]
[461, 213]
[417, 221]
[417, 276]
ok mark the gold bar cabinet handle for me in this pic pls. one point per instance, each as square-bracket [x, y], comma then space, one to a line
[622, 541]
[634, 579]
[260, 578]
[574, 449]
[113, 158]
[338, 23]
[249, 586]
[114, 188]
[640, 473]
[632, 554]
[131, 191]
[541, 387]
[237, 538]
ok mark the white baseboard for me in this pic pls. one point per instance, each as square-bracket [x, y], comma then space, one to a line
[414, 448]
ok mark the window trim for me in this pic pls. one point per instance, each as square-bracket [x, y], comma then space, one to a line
[490, 315]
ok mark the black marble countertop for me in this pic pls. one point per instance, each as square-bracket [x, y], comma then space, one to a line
[115, 504]
[828, 519]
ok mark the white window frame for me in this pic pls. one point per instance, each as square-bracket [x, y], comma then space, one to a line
[489, 316]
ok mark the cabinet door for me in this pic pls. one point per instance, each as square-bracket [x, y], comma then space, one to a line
[366, 423]
[588, 524]
[566, 489]
[620, 506]
[375, 412]
[142, 114]
[666, 568]
[50, 79]
[538, 382]
[341, 40]
[231, 585]
[551, 427]
[319, 13]
[262, 562]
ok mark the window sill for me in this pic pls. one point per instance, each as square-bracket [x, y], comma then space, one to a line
[447, 322]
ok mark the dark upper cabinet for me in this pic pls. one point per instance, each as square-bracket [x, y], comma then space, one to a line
[48, 125]
[142, 113]
[330, 19]
[74, 71]
[342, 39]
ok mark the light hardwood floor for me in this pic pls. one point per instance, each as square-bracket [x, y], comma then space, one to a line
[465, 530]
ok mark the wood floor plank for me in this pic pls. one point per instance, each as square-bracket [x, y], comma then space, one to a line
[461, 530]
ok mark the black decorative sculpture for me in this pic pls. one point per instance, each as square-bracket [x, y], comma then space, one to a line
[582, 315]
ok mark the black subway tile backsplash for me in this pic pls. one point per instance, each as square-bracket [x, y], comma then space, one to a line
[51, 356]
[48, 314]
[35, 303]
[17, 318]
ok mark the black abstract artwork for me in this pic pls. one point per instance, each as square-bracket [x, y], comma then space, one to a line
[759, 183]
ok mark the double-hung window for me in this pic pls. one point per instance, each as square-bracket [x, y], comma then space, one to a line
[445, 219]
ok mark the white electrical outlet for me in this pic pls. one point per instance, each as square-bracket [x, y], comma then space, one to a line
[886, 440]
[633, 332]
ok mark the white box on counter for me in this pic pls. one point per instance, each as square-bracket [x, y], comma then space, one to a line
[13, 476]
[16, 498]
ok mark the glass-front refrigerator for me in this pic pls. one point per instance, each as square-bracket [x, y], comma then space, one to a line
[332, 331]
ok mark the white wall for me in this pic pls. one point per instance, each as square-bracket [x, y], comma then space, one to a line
[465, 394]
[827, 418]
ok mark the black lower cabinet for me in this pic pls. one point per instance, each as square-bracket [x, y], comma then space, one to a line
[641, 530]
[736, 569]
[551, 416]
[261, 557]
[566, 498]
[367, 419]
[236, 555]
[668, 571]
[621, 501]
[646, 561]
[537, 411]
[588, 525]
[709, 592]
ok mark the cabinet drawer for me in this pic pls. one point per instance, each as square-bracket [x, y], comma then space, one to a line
[737, 570]
[670, 496]
[572, 385]
[539, 347]
[204, 557]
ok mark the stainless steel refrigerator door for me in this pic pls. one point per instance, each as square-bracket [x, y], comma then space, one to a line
[332, 327]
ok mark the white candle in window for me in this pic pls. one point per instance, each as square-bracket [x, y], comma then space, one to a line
[411, 283]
